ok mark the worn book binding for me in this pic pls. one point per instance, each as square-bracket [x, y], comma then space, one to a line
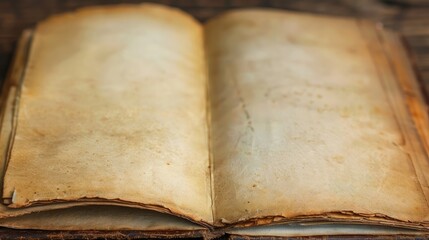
[259, 123]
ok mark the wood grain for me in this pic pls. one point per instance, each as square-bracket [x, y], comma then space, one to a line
[410, 18]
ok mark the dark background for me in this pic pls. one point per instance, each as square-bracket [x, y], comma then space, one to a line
[408, 17]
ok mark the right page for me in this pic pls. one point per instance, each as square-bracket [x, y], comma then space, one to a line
[305, 121]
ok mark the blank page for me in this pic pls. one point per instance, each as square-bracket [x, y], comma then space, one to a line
[113, 106]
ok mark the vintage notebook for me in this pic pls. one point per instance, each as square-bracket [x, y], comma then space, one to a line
[258, 123]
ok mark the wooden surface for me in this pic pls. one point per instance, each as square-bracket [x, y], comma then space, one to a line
[409, 17]
[16, 15]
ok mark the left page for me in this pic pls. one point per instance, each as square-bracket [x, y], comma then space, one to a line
[113, 107]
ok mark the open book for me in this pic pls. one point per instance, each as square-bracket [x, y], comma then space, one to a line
[259, 123]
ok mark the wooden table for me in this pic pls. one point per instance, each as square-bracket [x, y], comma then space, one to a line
[409, 17]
